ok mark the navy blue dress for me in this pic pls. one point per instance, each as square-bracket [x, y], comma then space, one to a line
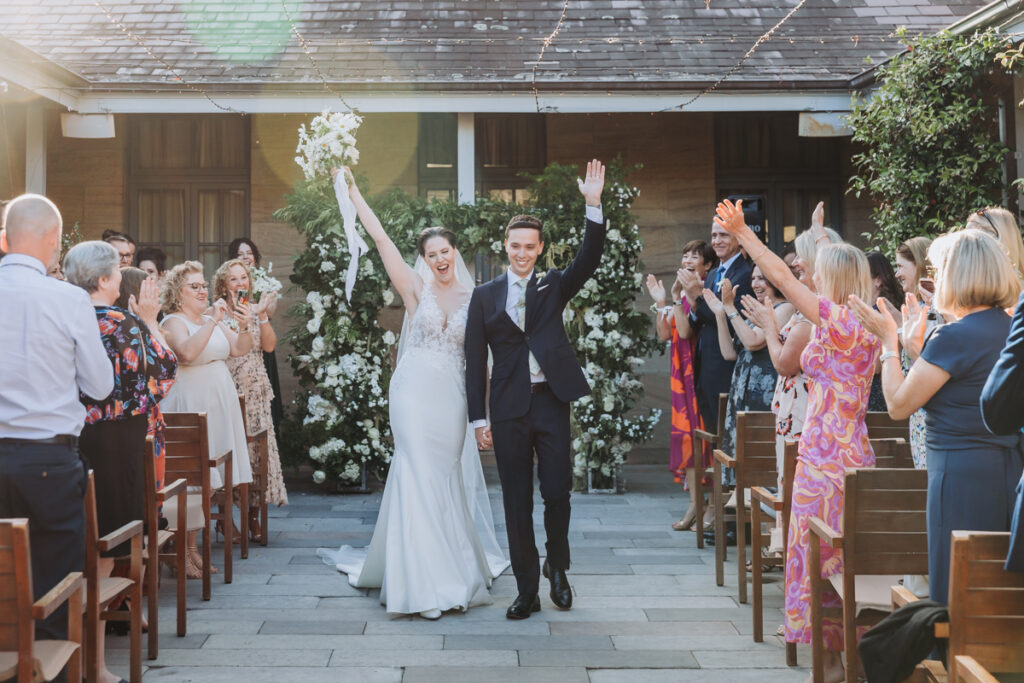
[972, 473]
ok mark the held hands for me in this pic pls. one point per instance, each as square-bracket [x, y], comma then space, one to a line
[484, 440]
[656, 288]
[593, 184]
[879, 323]
[148, 304]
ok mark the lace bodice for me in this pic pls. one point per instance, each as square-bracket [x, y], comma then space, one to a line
[429, 331]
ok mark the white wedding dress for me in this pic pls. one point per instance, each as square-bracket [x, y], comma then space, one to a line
[434, 546]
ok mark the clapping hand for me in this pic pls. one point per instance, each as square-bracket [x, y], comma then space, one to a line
[261, 307]
[593, 184]
[713, 302]
[759, 314]
[728, 293]
[219, 308]
[690, 283]
[656, 288]
[147, 306]
[878, 322]
[915, 322]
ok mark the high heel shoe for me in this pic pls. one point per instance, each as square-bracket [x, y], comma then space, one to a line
[687, 522]
[236, 535]
[255, 531]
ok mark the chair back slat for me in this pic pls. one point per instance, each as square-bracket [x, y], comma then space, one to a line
[885, 529]
[756, 461]
[16, 631]
[881, 426]
[986, 603]
[186, 448]
[892, 453]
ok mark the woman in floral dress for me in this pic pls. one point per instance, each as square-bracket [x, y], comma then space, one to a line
[698, 256]
[250, 377]
[840, 362]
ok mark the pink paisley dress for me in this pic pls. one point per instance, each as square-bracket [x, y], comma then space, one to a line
[840, 362]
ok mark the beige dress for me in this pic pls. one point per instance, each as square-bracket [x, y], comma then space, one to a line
[252, 382]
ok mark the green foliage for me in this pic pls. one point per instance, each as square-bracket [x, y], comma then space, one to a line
[931, 135]
[68, 239]
[611, 338]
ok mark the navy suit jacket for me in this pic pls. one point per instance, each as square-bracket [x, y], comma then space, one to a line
[711, 366]
[1004, 390]
[489, 325]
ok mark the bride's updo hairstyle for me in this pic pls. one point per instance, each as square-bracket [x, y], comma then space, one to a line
[436, 231]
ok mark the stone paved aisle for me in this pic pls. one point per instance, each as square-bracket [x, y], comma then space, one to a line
[646, 608]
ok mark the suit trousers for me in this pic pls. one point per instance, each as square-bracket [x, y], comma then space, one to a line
[544, 430]
[46, 483]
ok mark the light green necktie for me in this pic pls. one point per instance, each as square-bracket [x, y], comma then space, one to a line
[521, 311]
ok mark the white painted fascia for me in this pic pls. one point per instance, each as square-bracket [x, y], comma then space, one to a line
[499, 102]
[1008, 15]
[38, 75]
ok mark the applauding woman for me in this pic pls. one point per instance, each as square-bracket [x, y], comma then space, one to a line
[840, 362]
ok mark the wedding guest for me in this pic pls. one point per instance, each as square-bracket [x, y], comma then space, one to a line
[56, 271]
[753, 377]
[124, 244]
[247, 252]
[153, 260]
[250, 377]
[673, 325]
[1000, 224]
[1000, 408]
[50, 350]
[886, 288]
[203, 343]
[911, 269]
[840, 362]
[140, 294]
[972, 473]
[788, 254]
[114, 436]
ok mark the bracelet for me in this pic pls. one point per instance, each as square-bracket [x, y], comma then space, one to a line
[887, 355]
[677, 303]
[263, 321]
[732, 315]
[820, 237]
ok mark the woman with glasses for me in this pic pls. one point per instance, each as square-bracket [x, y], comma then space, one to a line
[203, 343]
[999, 223]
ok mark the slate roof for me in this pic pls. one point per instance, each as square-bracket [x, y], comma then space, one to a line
[466, 44]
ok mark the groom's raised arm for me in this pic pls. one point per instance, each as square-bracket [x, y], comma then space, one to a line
[588, 258]
[476, 359]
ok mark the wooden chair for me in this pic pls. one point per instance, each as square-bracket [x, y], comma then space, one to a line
[881, 426]
[892, 454]
[986, 611]
[706, 442]
[156, 541]
[187, 456]
[260, 478]
[753, 464]
[781, 504]
[884, 536]
[21, 655]
[102, 592]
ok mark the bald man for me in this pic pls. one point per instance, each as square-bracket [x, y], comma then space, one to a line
[50, 349]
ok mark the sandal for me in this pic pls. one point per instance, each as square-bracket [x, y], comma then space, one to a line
[687, 522]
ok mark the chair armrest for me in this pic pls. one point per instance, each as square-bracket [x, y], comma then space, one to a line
[119, 536]
[901, 596]
[763, 495]
[57, 596]
[255, 436]
[726, 460]
[216, 460]
[970, 671]
[819, 528]
[934, 671]
[173, 489]
[704, 436]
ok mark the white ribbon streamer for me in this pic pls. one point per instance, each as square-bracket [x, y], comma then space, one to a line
[356, 244]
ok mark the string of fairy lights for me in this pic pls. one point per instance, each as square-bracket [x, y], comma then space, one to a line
[309, 45]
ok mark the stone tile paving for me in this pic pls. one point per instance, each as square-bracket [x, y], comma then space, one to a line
[646, 608]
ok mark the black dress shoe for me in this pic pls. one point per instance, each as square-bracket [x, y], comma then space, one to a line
[523, 606]
[561, 593]
[730, 537]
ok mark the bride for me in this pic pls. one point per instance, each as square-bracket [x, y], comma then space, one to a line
[434, 547]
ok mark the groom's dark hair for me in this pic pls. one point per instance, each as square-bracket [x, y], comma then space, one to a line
[525, 221]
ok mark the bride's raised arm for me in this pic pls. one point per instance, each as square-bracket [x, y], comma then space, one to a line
[403, 277]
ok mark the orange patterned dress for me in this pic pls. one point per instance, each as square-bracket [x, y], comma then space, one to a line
[840, 362]
[685, 416]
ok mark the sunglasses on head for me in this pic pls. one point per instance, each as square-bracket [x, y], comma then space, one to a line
[984, 214]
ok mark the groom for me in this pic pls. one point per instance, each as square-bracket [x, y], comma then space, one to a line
[534, 378]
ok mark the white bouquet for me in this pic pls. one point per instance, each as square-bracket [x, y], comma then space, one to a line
[330, 141]
[261, 280]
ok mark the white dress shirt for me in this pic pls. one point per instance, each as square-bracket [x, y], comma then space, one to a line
[595, 214]
[50, 348]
